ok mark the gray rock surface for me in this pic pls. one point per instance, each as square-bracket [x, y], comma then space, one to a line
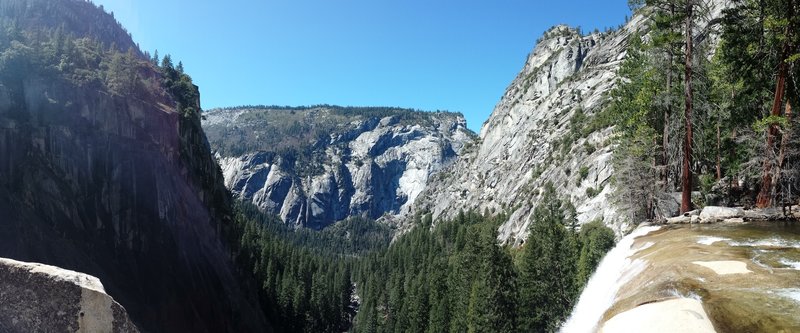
[522, 149]
[42, 298]
[527, 141]
[366, 165]
[716, 213]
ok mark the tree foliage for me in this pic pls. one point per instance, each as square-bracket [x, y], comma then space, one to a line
[455, 277]
[741, 103]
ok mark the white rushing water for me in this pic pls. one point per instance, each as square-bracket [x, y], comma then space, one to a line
[792, 264]
[614, 270]
[770, 242]
[708, 240]
[791, 293]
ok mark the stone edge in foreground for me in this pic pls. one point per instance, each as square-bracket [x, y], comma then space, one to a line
[42, 298]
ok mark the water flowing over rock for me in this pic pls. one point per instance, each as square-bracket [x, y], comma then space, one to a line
[730, 277]
[41, 298]
[616, 269]
[365, 162]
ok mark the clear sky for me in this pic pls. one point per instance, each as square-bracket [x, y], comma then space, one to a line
[456, 55]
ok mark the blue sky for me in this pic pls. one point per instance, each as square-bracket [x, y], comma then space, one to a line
[456, 55]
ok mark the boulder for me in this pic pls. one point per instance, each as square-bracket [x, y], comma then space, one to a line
[734, 220]
[666, 205]
[763, 214]
[42, 298]
[695, 212]
[716, 213]
[679, 220]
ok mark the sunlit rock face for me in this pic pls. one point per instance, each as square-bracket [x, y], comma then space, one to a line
[529, 139]
[731, 277]
[338, 162]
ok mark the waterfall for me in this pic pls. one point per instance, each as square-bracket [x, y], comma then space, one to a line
[614, 270]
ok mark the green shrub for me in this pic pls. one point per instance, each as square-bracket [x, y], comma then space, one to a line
[592, 192]
[583, 173]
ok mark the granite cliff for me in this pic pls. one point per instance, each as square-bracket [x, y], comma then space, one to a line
[543, 131]
[528, 140]
[104, 169]
[43, 298]
[319, 165]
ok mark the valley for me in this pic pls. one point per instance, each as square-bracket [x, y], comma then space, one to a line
[640, 178]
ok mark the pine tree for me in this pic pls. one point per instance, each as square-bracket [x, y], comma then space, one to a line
[596, 240]
[155, 60]
[500, 280]
[634, 159]
[547, 287]
[788, 45]
[439, 317]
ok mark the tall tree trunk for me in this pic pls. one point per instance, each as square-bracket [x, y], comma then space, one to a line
[719, 148]
[651, 209]
[782, 150]
[732, 155]
[668, 111]
[665, 137]
[686, 176]
[765, 198]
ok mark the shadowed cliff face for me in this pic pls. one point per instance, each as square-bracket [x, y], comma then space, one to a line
[120, 185]
[96, 183]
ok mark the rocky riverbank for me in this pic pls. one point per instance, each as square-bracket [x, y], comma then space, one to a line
[714, 214]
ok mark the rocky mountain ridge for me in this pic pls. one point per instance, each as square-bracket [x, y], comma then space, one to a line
[335, 162]
[544, 129]
[536, 135]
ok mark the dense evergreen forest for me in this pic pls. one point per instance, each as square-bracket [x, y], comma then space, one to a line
[452, 276]
[446, 276]
[305, 276]
[694, 112]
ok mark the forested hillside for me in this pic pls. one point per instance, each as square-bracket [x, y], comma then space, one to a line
[454, 277]
[104, 169]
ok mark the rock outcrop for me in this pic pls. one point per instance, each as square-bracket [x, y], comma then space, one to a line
[541, 131]
[528, 142]
[366, 162]
[42, 298]
[713, 214]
